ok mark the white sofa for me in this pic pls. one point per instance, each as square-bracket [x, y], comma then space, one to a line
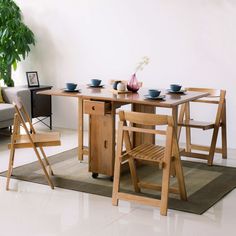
[7, 111]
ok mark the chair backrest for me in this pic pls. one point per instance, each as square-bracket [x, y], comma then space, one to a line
[23, 117]
[145, 119]
[215, 97]
[212, 92]
[130, 122]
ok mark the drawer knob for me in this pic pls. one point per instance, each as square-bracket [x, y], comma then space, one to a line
[105, 144]
[93, 108]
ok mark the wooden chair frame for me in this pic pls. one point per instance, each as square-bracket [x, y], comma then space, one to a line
[215, 97]
[171, 156]
[20, 119]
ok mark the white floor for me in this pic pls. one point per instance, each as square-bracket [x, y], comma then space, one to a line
[36, 210]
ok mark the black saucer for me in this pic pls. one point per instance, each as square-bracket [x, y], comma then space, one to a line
[71, 91]
[93, 86]
[160, 97]
[181, 91]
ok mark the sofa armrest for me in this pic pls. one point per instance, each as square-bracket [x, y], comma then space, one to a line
[10, 94]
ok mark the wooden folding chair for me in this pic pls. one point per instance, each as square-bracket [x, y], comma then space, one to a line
[30, 139]
[215, 97]
[163, 157]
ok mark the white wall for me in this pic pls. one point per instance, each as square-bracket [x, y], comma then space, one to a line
[192, 42]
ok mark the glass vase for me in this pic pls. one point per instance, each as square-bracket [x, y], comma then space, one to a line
[133, 84]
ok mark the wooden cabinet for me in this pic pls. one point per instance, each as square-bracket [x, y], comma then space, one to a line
[96, 107]
[101, 129]
[41, 105]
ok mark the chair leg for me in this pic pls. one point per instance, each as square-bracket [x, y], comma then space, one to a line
[188, 130]
[165, 189]
[180, 178]
[134, 175]
[44, 168]
[116, 182]
[46, 160]
[224, 143]
[10, 167]
[172, 169]
[180, 120]
[213, 146]
[224, 134]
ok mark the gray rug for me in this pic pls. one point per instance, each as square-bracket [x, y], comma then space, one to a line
[205, 185]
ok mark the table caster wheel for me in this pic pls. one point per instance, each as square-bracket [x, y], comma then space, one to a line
[94, 175]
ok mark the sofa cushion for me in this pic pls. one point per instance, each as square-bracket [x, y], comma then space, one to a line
[7, 111]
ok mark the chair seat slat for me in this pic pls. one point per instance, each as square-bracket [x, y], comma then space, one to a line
[197, 124]
[147, 152]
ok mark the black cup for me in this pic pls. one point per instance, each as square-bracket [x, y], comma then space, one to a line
[154, 93]
[95, 82]
[175, 87]
[71, 86]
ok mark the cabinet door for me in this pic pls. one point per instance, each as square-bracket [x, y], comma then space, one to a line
[101, 144]
[41, 105]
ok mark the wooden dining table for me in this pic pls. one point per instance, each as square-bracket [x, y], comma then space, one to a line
[101, 105]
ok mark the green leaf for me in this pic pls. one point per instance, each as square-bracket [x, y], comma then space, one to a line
[14, 65]
[15, 38]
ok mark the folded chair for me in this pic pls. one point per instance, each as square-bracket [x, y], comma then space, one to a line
[31, 139]
[162, 157]
[215, 97]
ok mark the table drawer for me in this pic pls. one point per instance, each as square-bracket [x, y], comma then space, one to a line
[96, 107]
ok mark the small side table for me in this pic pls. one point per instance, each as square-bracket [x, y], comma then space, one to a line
[41, 105]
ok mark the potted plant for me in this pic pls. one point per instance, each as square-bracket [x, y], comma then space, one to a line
[15, 39]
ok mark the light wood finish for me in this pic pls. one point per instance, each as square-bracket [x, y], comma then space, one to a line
[96, 107]
[215, 97]
[204, 148]
[148, 131]
[140, 138]
[156, 187]
[104, 94]
[100, 133]
[197, 124]
[120, 92]
[213, 93]
[39, 139]
[144, 119]
[150, 153]
[224, 132]
[31, 139]
[139, 104]
[80, 130]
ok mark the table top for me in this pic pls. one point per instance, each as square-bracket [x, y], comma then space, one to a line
[105, 94]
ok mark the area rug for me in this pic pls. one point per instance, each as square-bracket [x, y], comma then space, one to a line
[205, 185]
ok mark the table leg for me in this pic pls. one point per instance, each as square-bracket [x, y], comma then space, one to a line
[80, 129]
[175, 118]
[140, 138]
[188, 129]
